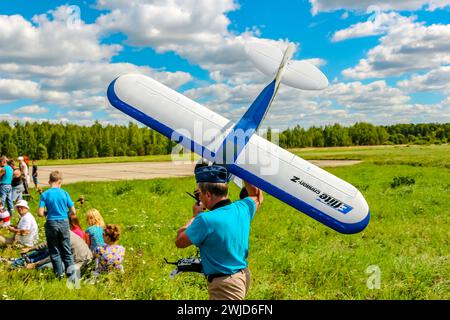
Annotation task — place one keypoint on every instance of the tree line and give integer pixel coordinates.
(69, 141)
(361, 134)
(45, 140)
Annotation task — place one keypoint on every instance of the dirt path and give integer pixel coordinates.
(140, 170)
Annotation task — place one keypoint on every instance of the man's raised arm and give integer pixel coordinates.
(255, 193)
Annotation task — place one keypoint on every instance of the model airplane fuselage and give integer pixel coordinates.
(306, 187)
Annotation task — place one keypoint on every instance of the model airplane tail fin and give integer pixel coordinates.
(241, 133)
(254, 116)
(288, 53)
(278, 79)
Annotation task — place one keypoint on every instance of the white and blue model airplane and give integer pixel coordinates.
(297, 182)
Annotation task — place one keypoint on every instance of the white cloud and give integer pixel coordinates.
(80, 85)
(92, 76)
(344, 103)
(381, 24)
(370, 97)
(317, 62)
(383, 5)
(195, 30)
(31, 109)
(228, 62)
(406, 47)
(119, 118)
(161, 24)
(417, 113)
(52, 41)
(12, 89)
(378, 103)
(438, 4)
(435, 80)
(79, 114)
(344, 15)
(61, 62)
(12, 118)
(446, 103)
(444, 110)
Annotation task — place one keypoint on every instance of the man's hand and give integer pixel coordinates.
(41, 212)
(20, 232)
(25, 250)
(255, 193)
(197, 208)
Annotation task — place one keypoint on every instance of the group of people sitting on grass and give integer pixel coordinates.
(67, 249)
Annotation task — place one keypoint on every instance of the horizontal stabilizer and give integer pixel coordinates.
(299, 74)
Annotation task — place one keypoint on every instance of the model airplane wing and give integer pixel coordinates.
(302, 185)
(297, 182)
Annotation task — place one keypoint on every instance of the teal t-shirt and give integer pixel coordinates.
(222, 236)
(95, 233)
(57, 202)
(7, 176)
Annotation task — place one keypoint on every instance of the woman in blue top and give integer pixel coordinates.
(6, 175)
(94, 233)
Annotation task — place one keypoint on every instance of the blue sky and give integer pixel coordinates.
(387, 61)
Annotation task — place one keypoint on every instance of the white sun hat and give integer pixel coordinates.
(22, 203)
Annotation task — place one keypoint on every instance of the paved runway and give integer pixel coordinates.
(139, 170)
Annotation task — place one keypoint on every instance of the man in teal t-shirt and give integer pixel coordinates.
(222, 233)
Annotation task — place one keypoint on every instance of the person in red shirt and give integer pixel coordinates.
(75, 226)
(5, 218)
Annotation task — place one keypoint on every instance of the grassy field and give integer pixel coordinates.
(414, 155)
(434, 155)
(291, 255)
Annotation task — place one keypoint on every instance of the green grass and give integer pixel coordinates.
(414, 155)
(291, 255)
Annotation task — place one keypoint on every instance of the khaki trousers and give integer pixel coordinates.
(232, 287)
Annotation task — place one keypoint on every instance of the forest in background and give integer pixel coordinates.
(46, 140)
